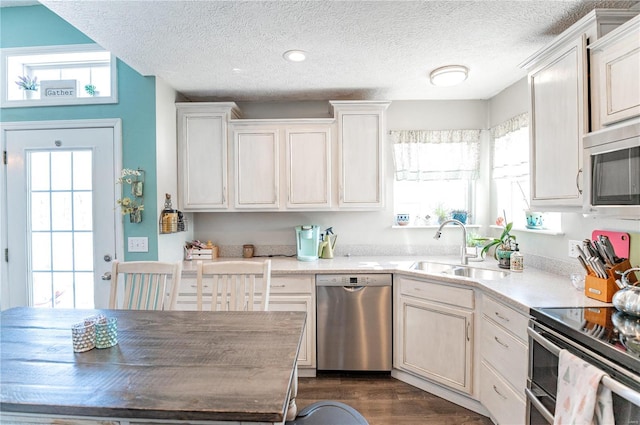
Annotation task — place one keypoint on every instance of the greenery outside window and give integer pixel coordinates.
(58, 75)
(435, 173)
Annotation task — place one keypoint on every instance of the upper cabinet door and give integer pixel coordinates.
(308, 167)
(615, 67)
(202, 157)
(257, 168)
(361, 134)
(558, 121)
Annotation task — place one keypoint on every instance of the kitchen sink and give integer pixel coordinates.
(458, 270)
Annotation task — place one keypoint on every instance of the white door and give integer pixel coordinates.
(61, 221)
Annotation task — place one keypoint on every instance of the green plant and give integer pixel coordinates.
(503, 242)
(90, 89)
(27, 83)
(441, 212)
(128, 205)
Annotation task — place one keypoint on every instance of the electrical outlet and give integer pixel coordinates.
(573, 252)
(138, 244)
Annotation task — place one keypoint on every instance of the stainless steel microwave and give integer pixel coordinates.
(612, 171)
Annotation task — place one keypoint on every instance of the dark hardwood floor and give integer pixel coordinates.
(383, 400)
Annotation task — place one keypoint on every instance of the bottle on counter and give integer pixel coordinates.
(516, 260)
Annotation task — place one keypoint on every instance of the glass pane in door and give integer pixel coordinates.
(61, 230)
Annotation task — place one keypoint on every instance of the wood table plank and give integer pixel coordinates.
(175, 365)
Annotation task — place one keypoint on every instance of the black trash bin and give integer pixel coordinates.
(328, 413)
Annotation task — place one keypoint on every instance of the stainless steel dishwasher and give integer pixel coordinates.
(354, 322)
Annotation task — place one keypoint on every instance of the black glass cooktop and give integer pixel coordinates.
(604, 330)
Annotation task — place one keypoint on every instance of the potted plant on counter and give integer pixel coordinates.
(503, 245)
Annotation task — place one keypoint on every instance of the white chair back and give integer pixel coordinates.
(144, 285)
(233, 285)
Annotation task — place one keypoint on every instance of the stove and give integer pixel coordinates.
(604, 330)
(601, 336)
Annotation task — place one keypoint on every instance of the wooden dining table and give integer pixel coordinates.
(168, 366)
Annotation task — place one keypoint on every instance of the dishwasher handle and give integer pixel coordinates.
(353, 288)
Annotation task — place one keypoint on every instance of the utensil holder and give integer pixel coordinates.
(603, 289)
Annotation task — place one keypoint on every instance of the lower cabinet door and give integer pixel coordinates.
(307, 354)
(435, 342)
(505, 405)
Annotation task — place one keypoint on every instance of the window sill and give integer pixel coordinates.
(543, 231)
(434, 226)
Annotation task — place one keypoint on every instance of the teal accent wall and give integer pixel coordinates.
(38, 26)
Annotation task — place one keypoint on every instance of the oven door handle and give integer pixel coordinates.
(554, 349)
(615, 386)
(537, 404)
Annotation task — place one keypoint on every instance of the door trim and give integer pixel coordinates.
(113, 123)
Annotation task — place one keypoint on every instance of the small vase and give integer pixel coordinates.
(504, 258)
(30, 94)
(135, 216)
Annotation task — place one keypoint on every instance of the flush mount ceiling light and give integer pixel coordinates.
(295, 55)
(449, 75)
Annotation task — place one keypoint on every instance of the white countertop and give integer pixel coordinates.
(531, 288)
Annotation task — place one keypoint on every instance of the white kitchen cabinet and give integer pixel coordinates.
(297, 293)
(256, 168)
(308, 167)
(203, 155)
(615, 67)
(559, 112)
(433, 332)
(504, 361)
(361, 130)
(276, 160)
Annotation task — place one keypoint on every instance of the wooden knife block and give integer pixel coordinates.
(603, 289)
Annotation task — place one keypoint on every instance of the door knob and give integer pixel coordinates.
(107, 258)
(106, 276)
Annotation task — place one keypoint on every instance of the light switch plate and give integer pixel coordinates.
(138, 244)
(573, 252)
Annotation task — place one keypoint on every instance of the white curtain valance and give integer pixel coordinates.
(436, 154)
(511, 148)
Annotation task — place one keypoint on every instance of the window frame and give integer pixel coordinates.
(7, 53)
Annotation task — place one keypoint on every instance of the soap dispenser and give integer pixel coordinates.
(516, 260)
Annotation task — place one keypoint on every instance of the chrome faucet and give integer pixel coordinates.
(463, 253)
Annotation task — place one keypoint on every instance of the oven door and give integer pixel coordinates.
(544, 348)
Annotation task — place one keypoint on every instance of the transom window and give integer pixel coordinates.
(58, 75)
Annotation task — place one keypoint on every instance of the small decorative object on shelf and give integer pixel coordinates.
(91, 90)
(460, 215)
(29, 85)
(168, 217)
(132, 205)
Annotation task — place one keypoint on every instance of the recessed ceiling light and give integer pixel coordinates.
(449, 75)
(295, 55)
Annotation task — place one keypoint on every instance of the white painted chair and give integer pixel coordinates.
(233, 285)
(144, 285)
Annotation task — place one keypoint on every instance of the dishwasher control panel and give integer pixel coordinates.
(354, 280)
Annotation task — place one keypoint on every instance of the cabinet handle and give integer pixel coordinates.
(498, 392)
(499, 316)
(468, 329)
(578, 181)
(500, 342)
(277, 286)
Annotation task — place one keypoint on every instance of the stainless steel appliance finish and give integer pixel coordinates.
(612, 171)
(592, 336)
(354, 322)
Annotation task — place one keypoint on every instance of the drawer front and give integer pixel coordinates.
(505, 353)
(459, 297)
(507, 317)
(292, 284)
(505, 406)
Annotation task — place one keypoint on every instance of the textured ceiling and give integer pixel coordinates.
(232, 50)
